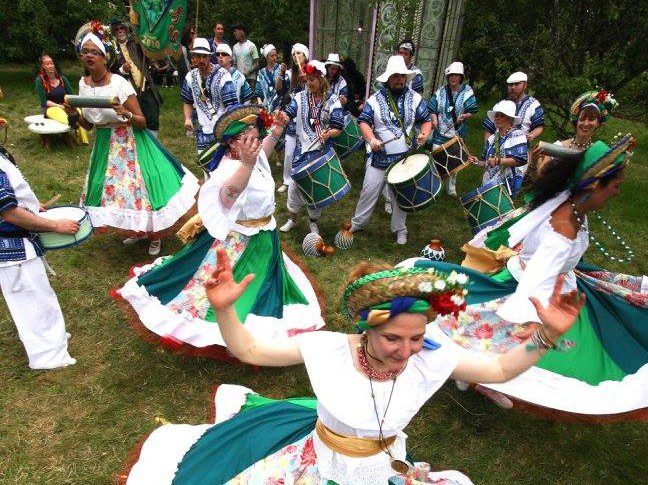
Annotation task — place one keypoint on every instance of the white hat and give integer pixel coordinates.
(201, 46)
(333, 60)
(455, 68)
(318, 65)
(267, 49)
(395, 65)
(300, 48)
(90, 37)
(506, 107)
(223, 48)
(517, 77)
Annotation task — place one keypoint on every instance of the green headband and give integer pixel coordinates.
(382, 312)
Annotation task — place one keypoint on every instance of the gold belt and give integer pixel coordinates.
(255, 222)
(351, 445)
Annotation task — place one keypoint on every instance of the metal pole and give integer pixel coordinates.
(311, 28)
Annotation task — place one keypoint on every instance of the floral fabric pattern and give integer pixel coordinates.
(123, 184)
(627, 287)
(192, 298)
(480, 329)
(295, 463)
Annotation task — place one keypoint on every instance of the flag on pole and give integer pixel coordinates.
(158, 25)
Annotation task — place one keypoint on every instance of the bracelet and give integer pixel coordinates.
(541, 341)
(128, 118)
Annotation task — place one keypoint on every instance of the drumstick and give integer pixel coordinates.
(53, 200)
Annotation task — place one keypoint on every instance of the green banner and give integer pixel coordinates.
(158, 25)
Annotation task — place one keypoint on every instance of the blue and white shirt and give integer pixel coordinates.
(243, 90)
(439, 104)
(265, 87)
(329, 113)
(16, 244)
(513, 144)
(218, 87)
(529, 110)
(378, 114)
(416, 83)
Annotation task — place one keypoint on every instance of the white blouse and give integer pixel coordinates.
(545, 255)
(255, 202)
(118, 87)
(344, 402)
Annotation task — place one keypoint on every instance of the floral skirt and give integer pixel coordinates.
(601, 367)
(254, 441)
(170, 300)
(134, 183)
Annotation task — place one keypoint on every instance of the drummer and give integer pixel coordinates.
(451, 105)
(506, 150)
(209, 90)
(334, 77)
(31, 300)
(406, 50)
(387, 123)
(318, 118)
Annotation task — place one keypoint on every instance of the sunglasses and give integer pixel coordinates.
(221, 54)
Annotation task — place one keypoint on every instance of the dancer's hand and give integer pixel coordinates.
(561, 312)
(222, 291)
(247, 147)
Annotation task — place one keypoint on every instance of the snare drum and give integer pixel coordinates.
(53, 240)
(486, 205)
(350, 140)
(451, 157)
(320, 178)
(414, 180)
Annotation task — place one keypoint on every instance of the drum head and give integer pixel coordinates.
(64, 212)
(408, 168)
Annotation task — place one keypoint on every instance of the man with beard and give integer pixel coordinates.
(528, 109)
(208, 89)
(135, 66)
(387, 123)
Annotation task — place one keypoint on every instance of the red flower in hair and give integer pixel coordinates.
(265, 118)
(442, 304)
(310, 69)
(601, 96)
(97, 27)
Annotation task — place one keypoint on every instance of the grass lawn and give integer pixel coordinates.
(78, 425)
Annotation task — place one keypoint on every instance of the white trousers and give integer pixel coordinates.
(295, 202)
(372, 187)
(289, 152)
(36, 313)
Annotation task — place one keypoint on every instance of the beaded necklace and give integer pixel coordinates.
(582, 146)
(630, 253)
(370, 371)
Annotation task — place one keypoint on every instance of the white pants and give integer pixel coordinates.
(372, 186)
(295, 202)
(36, 312)
(289, 151)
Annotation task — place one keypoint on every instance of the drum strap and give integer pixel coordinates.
(451, 101)
(315, 114)
(394, 108)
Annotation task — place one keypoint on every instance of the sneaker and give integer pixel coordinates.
(132, 240)
(154, 247)
(388, 207)
(287, 226)
(282, 188)
(401, 238)
(313, 227)
(497, 397)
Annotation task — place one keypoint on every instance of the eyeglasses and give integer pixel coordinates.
(221, 54)
(91, 52)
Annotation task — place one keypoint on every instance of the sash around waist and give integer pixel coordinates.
(255, 222)
(352, 446)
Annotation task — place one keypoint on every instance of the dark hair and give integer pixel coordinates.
(556, 176)
(410, 41)
(41, 72)
(218, 22)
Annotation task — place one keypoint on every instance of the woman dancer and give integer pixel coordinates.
(601, 368)
(133, 183)
(368, 386)
(236, 206)
(51, 88)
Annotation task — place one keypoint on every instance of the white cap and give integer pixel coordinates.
(201, 46)
(300, 48)
(455, 68)
(267, 49)
(333, 60)
(506, 107)
(318, 65)
(517, 77)
(395, 65)
(223, 48)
